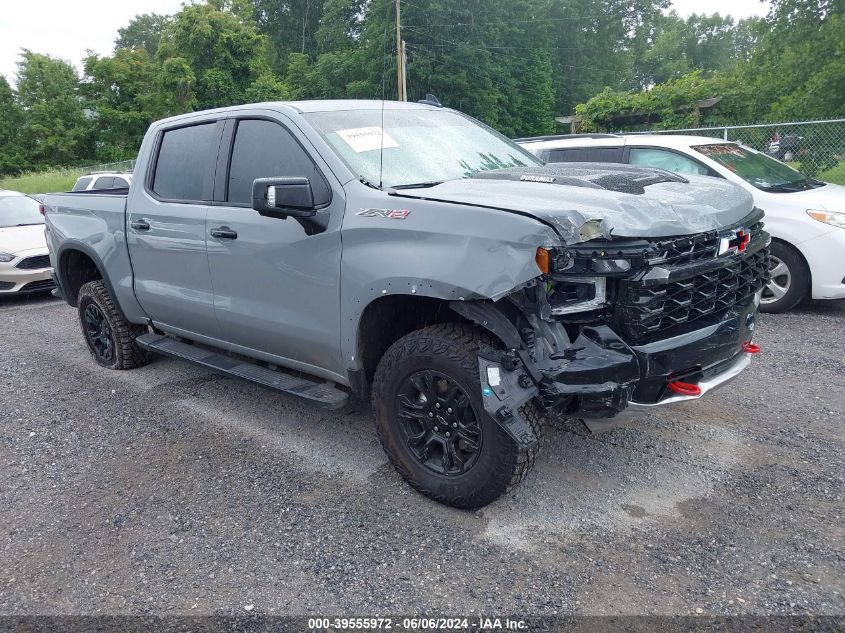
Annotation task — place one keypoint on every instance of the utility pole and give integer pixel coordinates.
(404, 72)
(400, 58)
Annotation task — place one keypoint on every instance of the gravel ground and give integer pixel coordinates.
(172, 490)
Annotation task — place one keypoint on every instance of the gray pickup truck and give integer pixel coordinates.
(408, 254)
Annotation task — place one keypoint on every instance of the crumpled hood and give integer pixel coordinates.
(611, 200)
(17, 239)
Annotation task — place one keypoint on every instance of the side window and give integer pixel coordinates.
(81, 184)
(586, 155)
(104, 182)
(120, 182)
(605, 155)
(183, 165)
(670, 161)
(566, 155)
(263, 149)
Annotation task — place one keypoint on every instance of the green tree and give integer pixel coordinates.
(291, 26)
(120, 92)
(13, 158)
(55, 131)
(142, 33)
(212, 56)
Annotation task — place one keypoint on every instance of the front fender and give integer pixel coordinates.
(438, 250)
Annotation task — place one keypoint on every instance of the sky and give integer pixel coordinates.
(66, 28)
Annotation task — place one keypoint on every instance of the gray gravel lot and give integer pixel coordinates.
(170, 489)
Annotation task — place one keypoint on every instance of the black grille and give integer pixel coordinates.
(7, 285)
(35, 263)
(35, 286)
(651, 312)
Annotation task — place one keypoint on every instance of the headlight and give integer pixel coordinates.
(828, 217)
(5, 257)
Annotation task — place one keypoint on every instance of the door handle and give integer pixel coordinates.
(224, 233)
(140, 225)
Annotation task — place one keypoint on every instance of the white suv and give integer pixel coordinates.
(805, 217)
(104, 180)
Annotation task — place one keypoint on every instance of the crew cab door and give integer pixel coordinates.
(166, 231)
(276, 288)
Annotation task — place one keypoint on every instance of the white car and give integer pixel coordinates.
(104, 180)
(805, 217)
(24, 260)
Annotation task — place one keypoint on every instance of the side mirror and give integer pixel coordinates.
(283, 197)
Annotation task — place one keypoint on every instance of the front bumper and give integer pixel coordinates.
(15, 280)
(607, 381)
(827, 265)
(718, 377)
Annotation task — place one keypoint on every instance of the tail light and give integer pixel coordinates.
(42, 210)
(750, 348)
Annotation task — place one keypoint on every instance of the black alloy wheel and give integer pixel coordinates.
(438, 423)
(99, 333)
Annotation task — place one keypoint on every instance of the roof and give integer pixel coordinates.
(610, 140)
(8, 192)
(307, 106)
(337, 105)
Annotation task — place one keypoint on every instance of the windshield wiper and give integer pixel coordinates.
(419, 185)
(789, 186)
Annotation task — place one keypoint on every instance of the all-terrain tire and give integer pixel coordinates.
(451, 349)
(118, 334)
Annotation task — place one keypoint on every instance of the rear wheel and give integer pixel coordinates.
(431, 420)
(110, 338)
(790, 279)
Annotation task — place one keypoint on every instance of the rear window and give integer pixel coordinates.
(586, 155)
(81, 184)
(104, 182)
(182, 168)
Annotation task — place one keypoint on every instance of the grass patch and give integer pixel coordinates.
(42, 181)
(835, 175)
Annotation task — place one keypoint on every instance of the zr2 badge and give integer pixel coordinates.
(390, 214)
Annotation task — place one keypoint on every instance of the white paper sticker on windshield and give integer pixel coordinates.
(366, 139)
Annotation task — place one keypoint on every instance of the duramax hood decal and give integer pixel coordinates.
(616, 200)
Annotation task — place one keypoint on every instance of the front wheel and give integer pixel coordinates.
(790, 279)
(431, 420)
(110, 337)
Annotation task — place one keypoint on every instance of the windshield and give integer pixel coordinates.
(420, 146)
(19, 211)
(757, 169)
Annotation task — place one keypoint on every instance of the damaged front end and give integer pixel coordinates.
(615, 328)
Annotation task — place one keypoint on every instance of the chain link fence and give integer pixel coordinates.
(816, 148)
(120, 166)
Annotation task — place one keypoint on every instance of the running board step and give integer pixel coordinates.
(322, 393)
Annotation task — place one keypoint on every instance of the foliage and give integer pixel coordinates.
(790, 66)
(142, 33)
(13, 157)
(514, 64)
(55, 130)
(215, 57)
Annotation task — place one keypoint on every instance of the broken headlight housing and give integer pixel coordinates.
(576, 294)
(580, 278)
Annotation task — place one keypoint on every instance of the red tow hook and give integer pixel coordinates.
(684, 388)
(750, 348)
